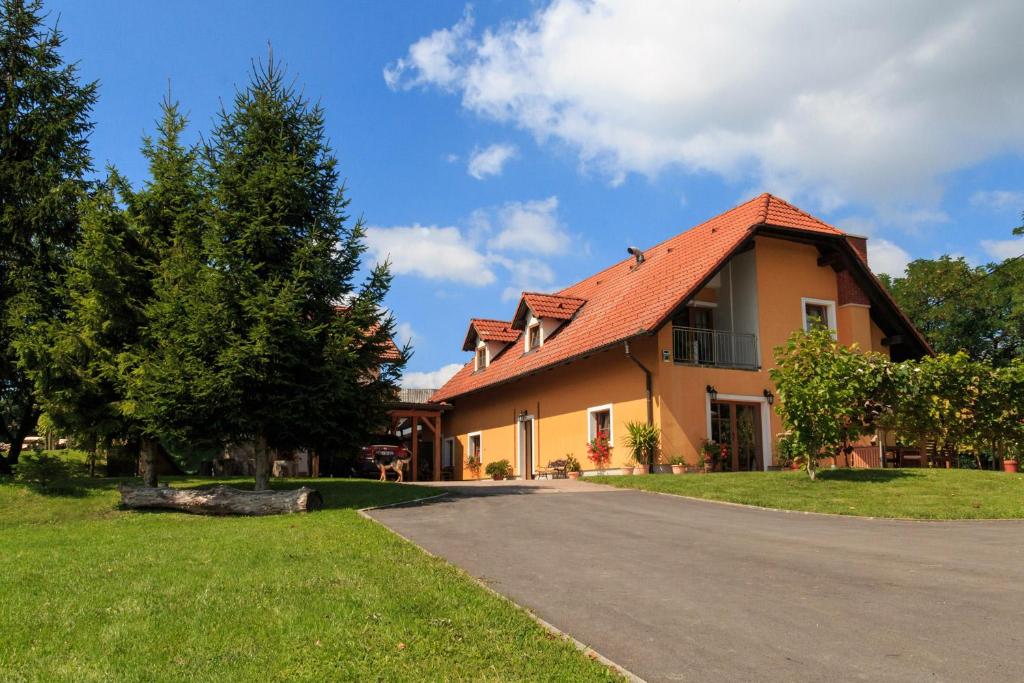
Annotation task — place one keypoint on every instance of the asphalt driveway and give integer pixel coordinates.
(681, 590)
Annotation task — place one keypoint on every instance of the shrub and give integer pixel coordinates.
(40, 469)
(572, 464)
(677, 460)
(499, 469)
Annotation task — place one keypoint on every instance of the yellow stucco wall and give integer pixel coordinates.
(559, 398)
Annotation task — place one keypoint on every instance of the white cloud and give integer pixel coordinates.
(430, 380)
(431, 58)
(531, 227)
(1000, 250)
(490, 161)
(526, 275)
(404, 334)
(512, 240)
(841, 100)
(998, 199)
(431, 252)
(886, 257)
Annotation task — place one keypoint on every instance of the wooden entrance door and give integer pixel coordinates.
(737, 427)
(526, 446)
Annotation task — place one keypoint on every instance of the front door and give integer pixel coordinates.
(736, 427)
(526, 447)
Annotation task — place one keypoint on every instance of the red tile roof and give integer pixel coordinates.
(546, 306)
(622, 302)
(488, 330)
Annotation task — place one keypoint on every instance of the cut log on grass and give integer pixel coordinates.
(222, 500)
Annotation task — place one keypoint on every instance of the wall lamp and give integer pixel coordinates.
(769, 396)
(712, 392)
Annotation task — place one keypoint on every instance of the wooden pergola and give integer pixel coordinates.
(421, 420)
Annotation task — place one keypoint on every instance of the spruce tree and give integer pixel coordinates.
(306, 356)
(88, 374)
(173, 386)
(44, 126)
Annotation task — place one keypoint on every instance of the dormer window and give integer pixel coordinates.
(533, 337)
(481, 358)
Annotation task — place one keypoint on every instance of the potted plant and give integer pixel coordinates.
(1009, 463)
(473, 465)
(711, 453)
(628, 468)
(572, 467)
(499, 469)
(642, 442)
(678, 464)
(599, 451)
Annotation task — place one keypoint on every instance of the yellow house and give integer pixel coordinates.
(680, 335)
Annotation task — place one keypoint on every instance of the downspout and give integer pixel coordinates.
(650, 398)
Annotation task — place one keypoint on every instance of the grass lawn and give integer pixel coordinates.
(89, 592)
(908, 493)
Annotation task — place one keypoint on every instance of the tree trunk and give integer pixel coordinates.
(26, 423)
(148, 461)
(222, 500)
(261, 456)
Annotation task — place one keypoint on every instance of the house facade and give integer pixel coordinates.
(680, 335)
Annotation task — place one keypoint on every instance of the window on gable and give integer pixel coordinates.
(818, 313)
(481, 358)
(534, 337)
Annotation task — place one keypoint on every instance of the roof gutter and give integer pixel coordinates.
(650, 397)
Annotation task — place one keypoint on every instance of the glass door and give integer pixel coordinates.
(736, 427)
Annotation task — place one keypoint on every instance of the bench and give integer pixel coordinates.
(554, 470)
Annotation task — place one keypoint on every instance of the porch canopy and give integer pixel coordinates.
(418, 423)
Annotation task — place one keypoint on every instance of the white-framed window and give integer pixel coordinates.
(599, 419)
(533, 338)
(475, 446)
(818, 310)
(481, 357)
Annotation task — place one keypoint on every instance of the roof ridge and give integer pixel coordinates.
(490, 320)
(629, 259)
(767, 197)
(800, 211)
(560, 296)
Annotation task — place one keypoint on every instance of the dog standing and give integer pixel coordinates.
(391, 458)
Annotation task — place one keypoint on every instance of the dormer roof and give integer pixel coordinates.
(488, 330)
(554, 306)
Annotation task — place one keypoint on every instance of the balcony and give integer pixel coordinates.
(696, 346)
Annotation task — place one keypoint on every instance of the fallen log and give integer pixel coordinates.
(222, 500)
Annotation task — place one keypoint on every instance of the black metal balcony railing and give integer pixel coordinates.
(710, 347)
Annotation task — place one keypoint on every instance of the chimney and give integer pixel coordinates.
(859, 244)
(637, 254)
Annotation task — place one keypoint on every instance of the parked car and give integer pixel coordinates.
(387, 446)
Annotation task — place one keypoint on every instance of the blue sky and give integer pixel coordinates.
(523, 145)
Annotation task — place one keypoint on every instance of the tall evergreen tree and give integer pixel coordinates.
(86, 375)
(172, 376)
(44, 126)
(306, 358)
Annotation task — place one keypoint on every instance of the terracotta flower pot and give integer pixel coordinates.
(678, 469)
(497, 477)
(574, 475)
(1009, 465)
(794, 465)
(640, 469)
(626, 471)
